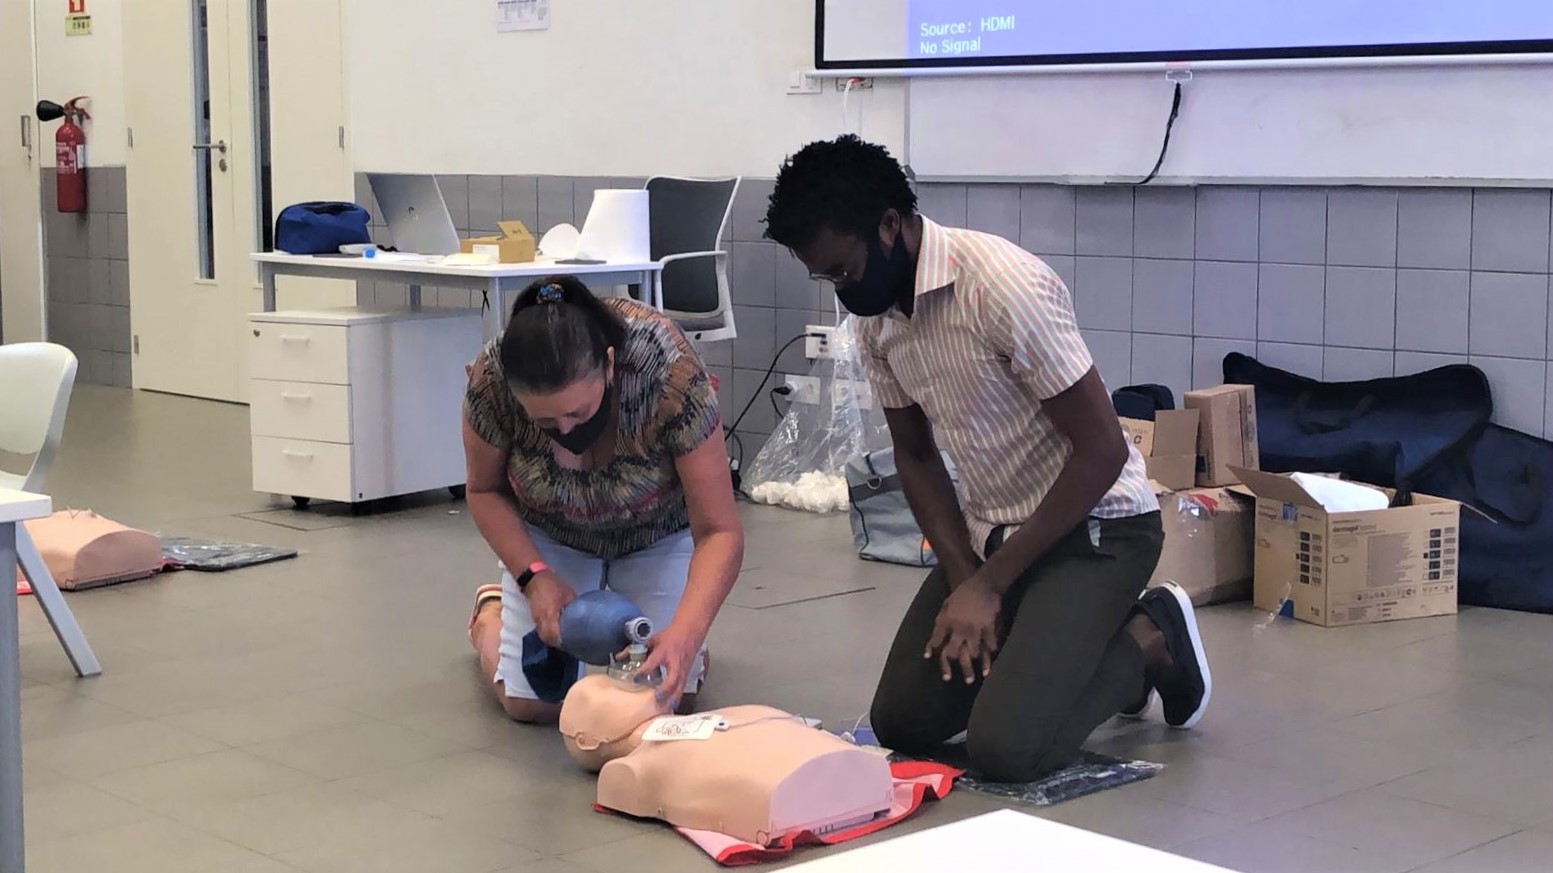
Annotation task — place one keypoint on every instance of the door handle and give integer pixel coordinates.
(27, 132)
(219, 146)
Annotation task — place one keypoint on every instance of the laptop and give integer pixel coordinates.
(416, 215)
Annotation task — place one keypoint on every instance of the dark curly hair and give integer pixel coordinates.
(844, 184)
(559, 333)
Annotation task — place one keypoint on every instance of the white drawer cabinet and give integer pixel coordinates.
(360, 403)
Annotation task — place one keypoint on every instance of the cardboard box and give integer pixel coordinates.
(1208, 539)
(1336, 569)
(515, 245)
(1168, 445)
(1227, 433)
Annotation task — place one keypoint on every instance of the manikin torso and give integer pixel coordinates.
(768, 774)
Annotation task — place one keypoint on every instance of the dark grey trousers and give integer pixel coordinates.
(1065, 666)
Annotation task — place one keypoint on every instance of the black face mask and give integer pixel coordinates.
(583, 436)
(884, 280)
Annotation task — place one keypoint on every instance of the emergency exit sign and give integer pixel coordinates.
(77, 22)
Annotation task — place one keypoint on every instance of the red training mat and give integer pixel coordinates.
(916, 783)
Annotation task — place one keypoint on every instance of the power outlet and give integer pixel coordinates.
(817, 345)
(804, 389)
(799, 82)
(856, 83)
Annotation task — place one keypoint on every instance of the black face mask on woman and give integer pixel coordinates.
(583, 436)
(883, 281)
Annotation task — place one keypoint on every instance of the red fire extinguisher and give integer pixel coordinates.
(70, 158)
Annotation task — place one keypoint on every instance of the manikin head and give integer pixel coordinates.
(602, 719)
(558, 353)
(845, 208)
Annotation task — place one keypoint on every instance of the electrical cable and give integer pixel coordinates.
(1170, 123)
(782, 391)
(755, 395)
(731, 432)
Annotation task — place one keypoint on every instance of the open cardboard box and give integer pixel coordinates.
(515, 245)
(1228, 436)
(1343, 568)
(1168, 445)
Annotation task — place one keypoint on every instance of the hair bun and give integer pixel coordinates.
(551, 293)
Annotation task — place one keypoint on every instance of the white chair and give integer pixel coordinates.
(35, 384)
(688, 218)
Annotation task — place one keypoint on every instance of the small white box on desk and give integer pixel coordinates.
(359, 403)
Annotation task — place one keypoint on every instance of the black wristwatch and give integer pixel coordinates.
(528, 574)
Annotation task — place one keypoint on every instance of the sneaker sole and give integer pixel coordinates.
(1185, 602)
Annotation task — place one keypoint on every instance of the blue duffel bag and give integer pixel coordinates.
(320, 228)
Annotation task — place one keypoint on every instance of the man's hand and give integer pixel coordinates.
(966, 631)
(674, 650)
(547, 596)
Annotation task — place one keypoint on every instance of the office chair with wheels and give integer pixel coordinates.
(35, 384)
(688, 218)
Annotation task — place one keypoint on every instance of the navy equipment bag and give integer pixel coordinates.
(1427, 433)
(320, 228)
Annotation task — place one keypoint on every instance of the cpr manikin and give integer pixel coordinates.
(761, 775)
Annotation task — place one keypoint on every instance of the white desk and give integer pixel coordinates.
(1005, 842)
(495, 280)
(15, 507)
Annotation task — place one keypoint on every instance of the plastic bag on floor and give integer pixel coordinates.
(801, 465)
(214, 556)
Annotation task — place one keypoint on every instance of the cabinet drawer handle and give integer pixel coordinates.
(301, 456)
(301, 398)
(298, 340)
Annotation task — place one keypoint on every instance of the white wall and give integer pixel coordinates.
(614, 88)
(69, 66)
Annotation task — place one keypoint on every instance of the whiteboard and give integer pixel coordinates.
(1464, 124)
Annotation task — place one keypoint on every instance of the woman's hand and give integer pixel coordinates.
(675, 650)
(547, 596)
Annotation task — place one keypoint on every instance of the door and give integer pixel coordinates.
(192, 177)
(21, 230)
(307, 158)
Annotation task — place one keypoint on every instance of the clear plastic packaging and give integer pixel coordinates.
(801, 465)
(214, 556)
(1091, 773)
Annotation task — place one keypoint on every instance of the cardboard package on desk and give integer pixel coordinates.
(515, 245)
(1208, 543)
(1344, 568)
(1227, 430)
(1168, 445)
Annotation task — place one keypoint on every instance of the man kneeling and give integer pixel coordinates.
(1031, 632)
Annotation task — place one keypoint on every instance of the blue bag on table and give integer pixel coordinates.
(320, 227)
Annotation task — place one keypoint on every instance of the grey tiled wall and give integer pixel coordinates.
(87, 279)
(1340, 283)
(1337, 284)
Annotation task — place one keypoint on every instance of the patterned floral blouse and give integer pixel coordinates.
(667, 409)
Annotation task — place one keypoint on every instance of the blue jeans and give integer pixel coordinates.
(654, 578)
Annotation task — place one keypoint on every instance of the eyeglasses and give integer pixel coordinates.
(828, 278)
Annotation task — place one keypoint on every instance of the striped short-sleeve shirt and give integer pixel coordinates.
(992, 335)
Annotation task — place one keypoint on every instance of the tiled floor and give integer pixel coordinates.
(324, 714)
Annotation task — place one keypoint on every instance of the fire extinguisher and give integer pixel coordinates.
(69, 152)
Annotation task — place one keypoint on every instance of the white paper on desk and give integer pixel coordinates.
(405, 258)
(522, 15)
